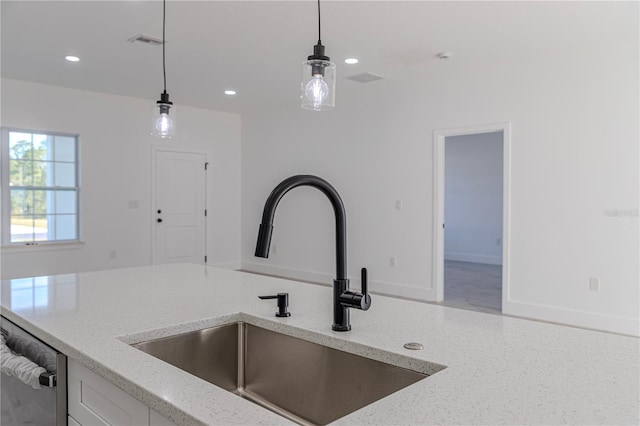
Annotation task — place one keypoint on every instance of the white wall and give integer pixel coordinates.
(473, 198)
(574, 157)
(115, 162)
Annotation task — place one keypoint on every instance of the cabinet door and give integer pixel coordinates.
(157, 419)
(94, 401)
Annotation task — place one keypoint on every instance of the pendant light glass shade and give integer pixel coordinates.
(164, 114)
(164, 118)
(318, 87)
(318, 84)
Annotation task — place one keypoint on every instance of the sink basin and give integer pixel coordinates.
(303, 381)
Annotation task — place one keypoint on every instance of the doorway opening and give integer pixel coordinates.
(471, 244)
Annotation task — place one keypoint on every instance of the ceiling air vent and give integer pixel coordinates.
(366, 77)
(143, 38)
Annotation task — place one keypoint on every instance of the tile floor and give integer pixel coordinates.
(473, 286)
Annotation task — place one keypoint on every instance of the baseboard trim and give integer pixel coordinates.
(226, 265)
(403, 290)
(583, 319)
(546, 313)
(375, 286)
(473, 258)
(288, 273)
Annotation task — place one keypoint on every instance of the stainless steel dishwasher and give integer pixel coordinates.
(23, 404)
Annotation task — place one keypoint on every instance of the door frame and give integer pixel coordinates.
(152, 215)
(439, 136)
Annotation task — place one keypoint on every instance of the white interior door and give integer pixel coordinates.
(179, 207)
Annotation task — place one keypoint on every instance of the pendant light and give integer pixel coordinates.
(318, 87)
(164, 117)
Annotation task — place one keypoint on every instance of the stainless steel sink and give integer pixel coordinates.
(300, 380)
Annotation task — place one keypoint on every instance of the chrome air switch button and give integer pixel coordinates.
(414, 346)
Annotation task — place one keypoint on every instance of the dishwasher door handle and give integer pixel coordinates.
(45, 379)
(48, 380)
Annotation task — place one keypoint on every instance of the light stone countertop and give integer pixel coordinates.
(499, 370)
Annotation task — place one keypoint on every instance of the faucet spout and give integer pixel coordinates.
(269, 212)
(264, 240)
(343, 298)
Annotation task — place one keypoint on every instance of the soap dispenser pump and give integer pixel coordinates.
(283, 303)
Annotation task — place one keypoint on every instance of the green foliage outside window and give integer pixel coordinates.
(27, 168)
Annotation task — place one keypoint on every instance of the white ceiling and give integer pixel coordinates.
(257, 47)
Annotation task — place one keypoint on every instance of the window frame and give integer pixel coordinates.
(5, 189)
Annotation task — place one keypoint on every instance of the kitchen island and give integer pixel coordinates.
(499, 370)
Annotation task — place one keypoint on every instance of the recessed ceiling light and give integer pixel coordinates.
(230, 92)
(351, 61)
(72, 58)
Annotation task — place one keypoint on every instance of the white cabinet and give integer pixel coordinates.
(94, 401)
(157, 419)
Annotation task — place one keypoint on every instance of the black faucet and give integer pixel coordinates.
(343, 299)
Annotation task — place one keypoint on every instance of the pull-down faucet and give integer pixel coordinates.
(343, 299)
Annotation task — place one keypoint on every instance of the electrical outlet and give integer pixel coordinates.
(398, 204)
(498, 241)
(274, 249)
(594, 284)
(392, 261)
(113, 254)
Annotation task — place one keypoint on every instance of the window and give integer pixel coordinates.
(40, 187)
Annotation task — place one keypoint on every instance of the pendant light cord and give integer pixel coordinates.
(164, 66)
(319, 38)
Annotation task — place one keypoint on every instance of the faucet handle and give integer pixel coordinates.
(363, 281)
(360, 301)
(365, 302)
(283, 302)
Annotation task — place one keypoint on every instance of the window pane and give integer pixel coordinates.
(21, 228)
(42, 185)
(66, 228)
(20, 146)
(42, 173)
(42, 147)
(21, 201)
(65, 174)
(66, 202)
(50, 202)
(43, 202)
(20, 173)
(46, 228)
(65, 149)
(41, 227)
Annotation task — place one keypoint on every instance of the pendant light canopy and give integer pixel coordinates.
(318, 86)
(164, 114)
